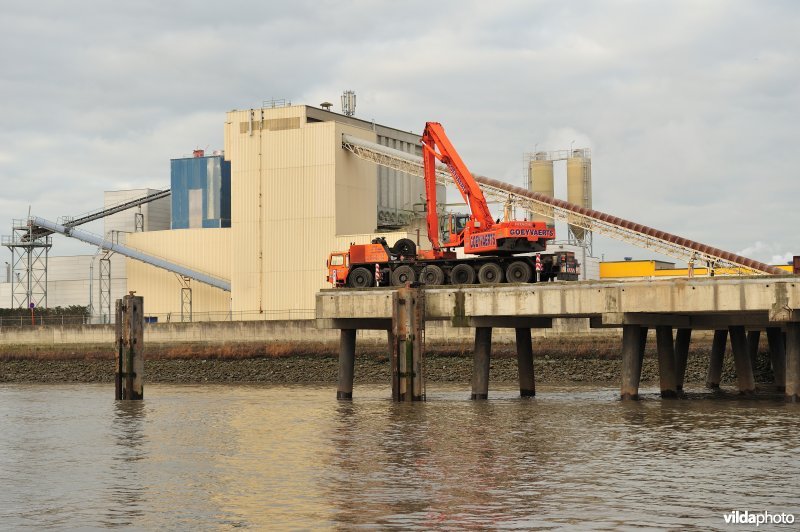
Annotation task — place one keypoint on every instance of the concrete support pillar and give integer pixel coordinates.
(408, 331)
(793, 362)
(753, 339)
(666, 362)
(347, 363)
(682, 339)
(777, 355)
(130, 348)
(527, 380)
(741, 357)
(632, 351)
(717, 358)
(480, 370)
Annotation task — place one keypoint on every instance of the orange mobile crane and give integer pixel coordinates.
(497, 245)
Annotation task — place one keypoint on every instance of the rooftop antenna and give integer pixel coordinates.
(349, 103)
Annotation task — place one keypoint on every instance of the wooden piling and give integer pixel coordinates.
(717, 358)
(129, 327)
(632, 351)
(741, 357)
(792, 393)
(408, 332)
(527, 379)
(482, 356)
(347, 363)
(682, 339)
(120, 343)
(777, 356)
(666, 362)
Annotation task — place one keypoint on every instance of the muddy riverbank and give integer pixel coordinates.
(556, 362)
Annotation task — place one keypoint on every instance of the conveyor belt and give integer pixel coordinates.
(595, 221)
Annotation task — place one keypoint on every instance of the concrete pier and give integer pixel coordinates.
(777, 356)
(682, 339)
(129, 378)
(726, 305)
(666, 362)
(527, 379)
(793, 362)
(753, 339)
(347, 362)
(741, 357)
(480, 369)
(717, 358)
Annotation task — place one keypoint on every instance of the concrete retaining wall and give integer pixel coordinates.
(224, 332)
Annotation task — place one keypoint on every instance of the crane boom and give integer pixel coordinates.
(589, 219)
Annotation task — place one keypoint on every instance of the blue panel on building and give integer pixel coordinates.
(201, 192)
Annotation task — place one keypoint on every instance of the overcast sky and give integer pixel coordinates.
(691, 109)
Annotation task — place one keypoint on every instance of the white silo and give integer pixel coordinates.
(540, 179)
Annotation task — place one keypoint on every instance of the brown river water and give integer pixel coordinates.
(292, 457)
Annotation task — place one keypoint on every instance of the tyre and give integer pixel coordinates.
(360, 278)
(402, 275)
(405, 247)
(432, 275)
(462, 274)
(490, 273)
(518, 272)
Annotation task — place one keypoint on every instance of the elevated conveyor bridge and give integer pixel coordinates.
(595, 221)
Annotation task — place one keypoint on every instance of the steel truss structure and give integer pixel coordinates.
(29, 255)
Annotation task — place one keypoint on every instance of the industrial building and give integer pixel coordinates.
(265, 213)
(295, 196)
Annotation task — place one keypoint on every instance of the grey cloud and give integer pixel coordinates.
(690, 107)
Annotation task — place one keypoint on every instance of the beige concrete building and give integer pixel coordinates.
(295, 197)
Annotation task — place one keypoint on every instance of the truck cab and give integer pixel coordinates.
(338, 265)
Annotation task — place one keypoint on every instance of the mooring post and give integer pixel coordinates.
(793, 362)
(717, 358)
(753, 339)
(527, 379)
(632, 350)
(682, 339)
(741, 358)
(666, 362)
(130, 347)
(777, 356)
(347, 363)
(408, 330)
(480, 368)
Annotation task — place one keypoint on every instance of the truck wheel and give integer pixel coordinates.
(402, 275)
(360, 278)
(432, 274)
(518, 272)
(462, 274)
(490, 273)
(405, 247)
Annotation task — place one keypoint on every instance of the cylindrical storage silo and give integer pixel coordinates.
(540, 179)
(579, 184)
